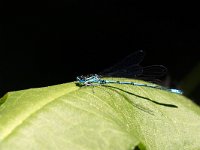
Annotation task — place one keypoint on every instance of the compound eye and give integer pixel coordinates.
(83, 78)
(80, 78)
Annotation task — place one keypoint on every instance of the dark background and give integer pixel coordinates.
(52, 42)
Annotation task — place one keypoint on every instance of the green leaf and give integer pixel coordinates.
(112, 117)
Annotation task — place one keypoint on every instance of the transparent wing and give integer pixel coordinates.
(129, 72)
(154, 71)
(131, 62)
(129, 68)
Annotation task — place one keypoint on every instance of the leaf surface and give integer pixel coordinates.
(122, 117)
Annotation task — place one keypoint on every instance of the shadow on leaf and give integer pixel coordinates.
(145, 98)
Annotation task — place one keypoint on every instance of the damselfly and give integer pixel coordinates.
(129, 67)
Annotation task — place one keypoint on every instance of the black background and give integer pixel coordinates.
(52, 42)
